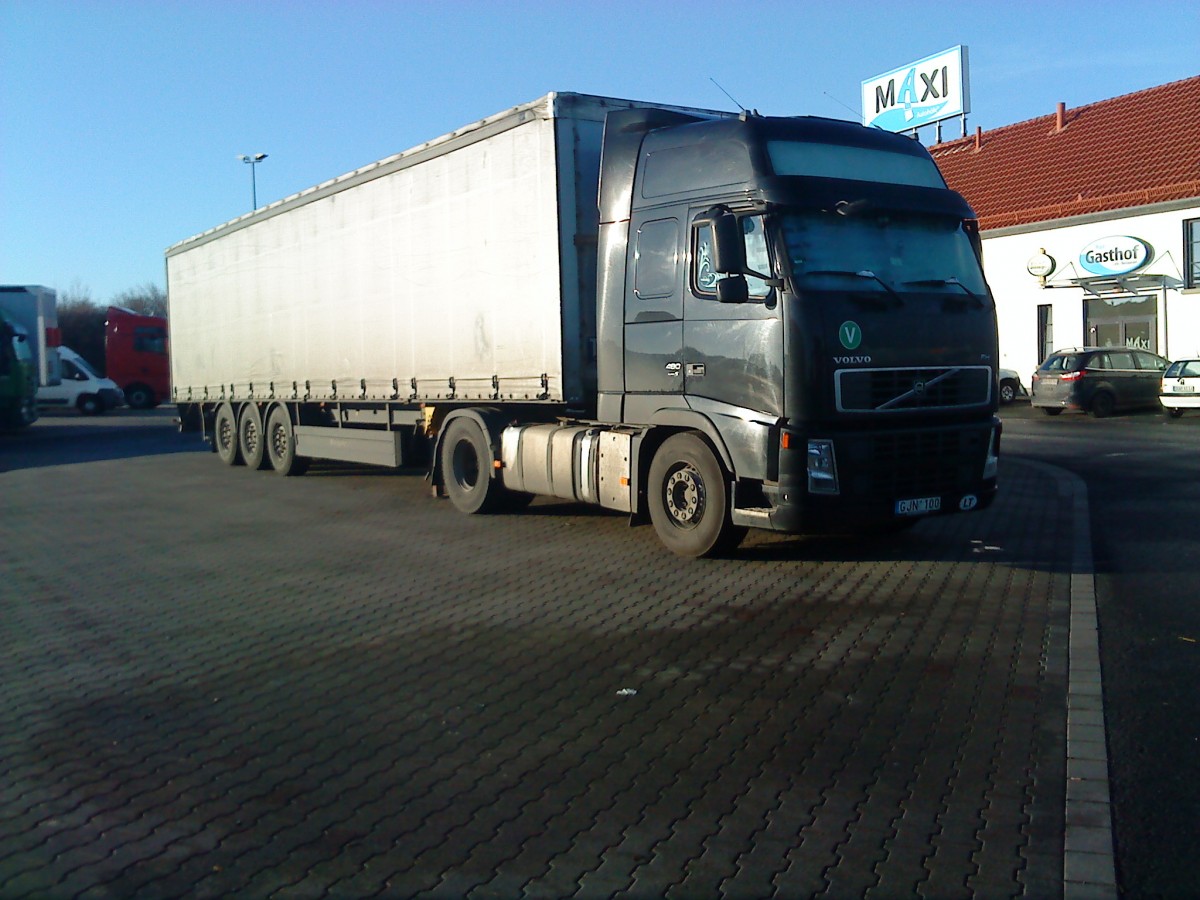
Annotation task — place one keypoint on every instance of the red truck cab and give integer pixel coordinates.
(135, 350)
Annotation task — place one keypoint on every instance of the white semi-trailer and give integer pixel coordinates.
(713, 321)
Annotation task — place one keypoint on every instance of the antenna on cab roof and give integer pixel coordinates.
(726, 93)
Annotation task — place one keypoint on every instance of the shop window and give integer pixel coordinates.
(1191, 253)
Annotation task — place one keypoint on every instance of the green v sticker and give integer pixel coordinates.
(850, 335)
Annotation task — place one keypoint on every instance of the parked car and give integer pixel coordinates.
(1099, 380)
(1010, 385)
(81, 387)
(1180, 387)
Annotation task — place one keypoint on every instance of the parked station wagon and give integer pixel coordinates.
(1099, 380)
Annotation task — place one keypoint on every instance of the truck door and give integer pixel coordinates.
(654, 306)
(734, 350)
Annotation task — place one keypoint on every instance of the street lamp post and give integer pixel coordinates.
(253, 160)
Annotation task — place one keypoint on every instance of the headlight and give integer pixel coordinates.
(822, 468)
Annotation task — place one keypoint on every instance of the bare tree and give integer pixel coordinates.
(147, 299)
(81, 322)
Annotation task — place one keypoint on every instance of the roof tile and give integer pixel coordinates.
(1133, 150)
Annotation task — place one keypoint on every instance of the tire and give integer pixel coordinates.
(225, 436)
(138, 396)
(1052, 410)
(250, 438)
(89, 405)
(280, 444)
(466, 465)
(1008, 391)
(1103, 404)
(689, 499)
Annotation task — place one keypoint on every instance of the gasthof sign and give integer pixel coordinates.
(1115, 255)
(921, 93)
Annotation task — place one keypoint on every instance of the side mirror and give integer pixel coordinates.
(733, 289)
(729, 244)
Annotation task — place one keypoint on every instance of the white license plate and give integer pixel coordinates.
(1182, 389)
(919, 506)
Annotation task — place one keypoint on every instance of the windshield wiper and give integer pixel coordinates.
(861, 273)
(950, 281)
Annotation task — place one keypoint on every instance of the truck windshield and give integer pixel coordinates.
(906, 252)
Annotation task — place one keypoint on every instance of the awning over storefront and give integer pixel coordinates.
(1119, 285)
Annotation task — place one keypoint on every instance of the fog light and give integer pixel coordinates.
(992, 463)
(822, 468)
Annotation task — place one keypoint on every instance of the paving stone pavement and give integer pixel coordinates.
(223, 683)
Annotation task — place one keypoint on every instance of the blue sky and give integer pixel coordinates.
(121, 122)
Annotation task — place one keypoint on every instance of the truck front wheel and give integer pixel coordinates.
(689, 499)
(466, 463)
(139, 396)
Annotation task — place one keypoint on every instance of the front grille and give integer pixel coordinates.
(905, 390)
(915, 463)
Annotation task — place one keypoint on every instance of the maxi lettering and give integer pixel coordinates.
(936, 84)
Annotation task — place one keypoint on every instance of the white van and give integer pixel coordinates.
(81, 387)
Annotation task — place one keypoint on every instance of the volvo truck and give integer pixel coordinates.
(708, 321)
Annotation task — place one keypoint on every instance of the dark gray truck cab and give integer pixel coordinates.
(806, 295)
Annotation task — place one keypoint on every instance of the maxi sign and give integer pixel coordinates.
(929, 90)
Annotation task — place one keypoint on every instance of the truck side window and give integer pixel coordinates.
(70, 372)
(150, 340)
(657, 259)
(704, 279)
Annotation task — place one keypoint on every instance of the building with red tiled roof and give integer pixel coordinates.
(1103, 203)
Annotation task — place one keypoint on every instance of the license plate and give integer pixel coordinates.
(919, 506)
(1182, 389)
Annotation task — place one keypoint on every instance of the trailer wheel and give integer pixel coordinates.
(689, 499)
(250, 438)
(466, 464)
(281, 444)
(225, 436)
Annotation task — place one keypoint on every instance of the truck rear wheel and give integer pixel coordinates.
(466, 464)
(281, 444)
(689, 499)
(225, 436)
(250, 437)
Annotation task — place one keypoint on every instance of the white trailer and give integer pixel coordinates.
(460, 269)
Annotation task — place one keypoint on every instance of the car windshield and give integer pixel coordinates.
(83, 365)
(1066, 363)
(1184, 368)
(882, 251)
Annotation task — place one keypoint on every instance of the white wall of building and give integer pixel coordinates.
(1006, 254)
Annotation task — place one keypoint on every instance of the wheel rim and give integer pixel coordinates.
(225, 435)
(465, 465)
(251, 438)
(279, 441)
(685, 496)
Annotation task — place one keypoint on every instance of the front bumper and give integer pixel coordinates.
(888, 477)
